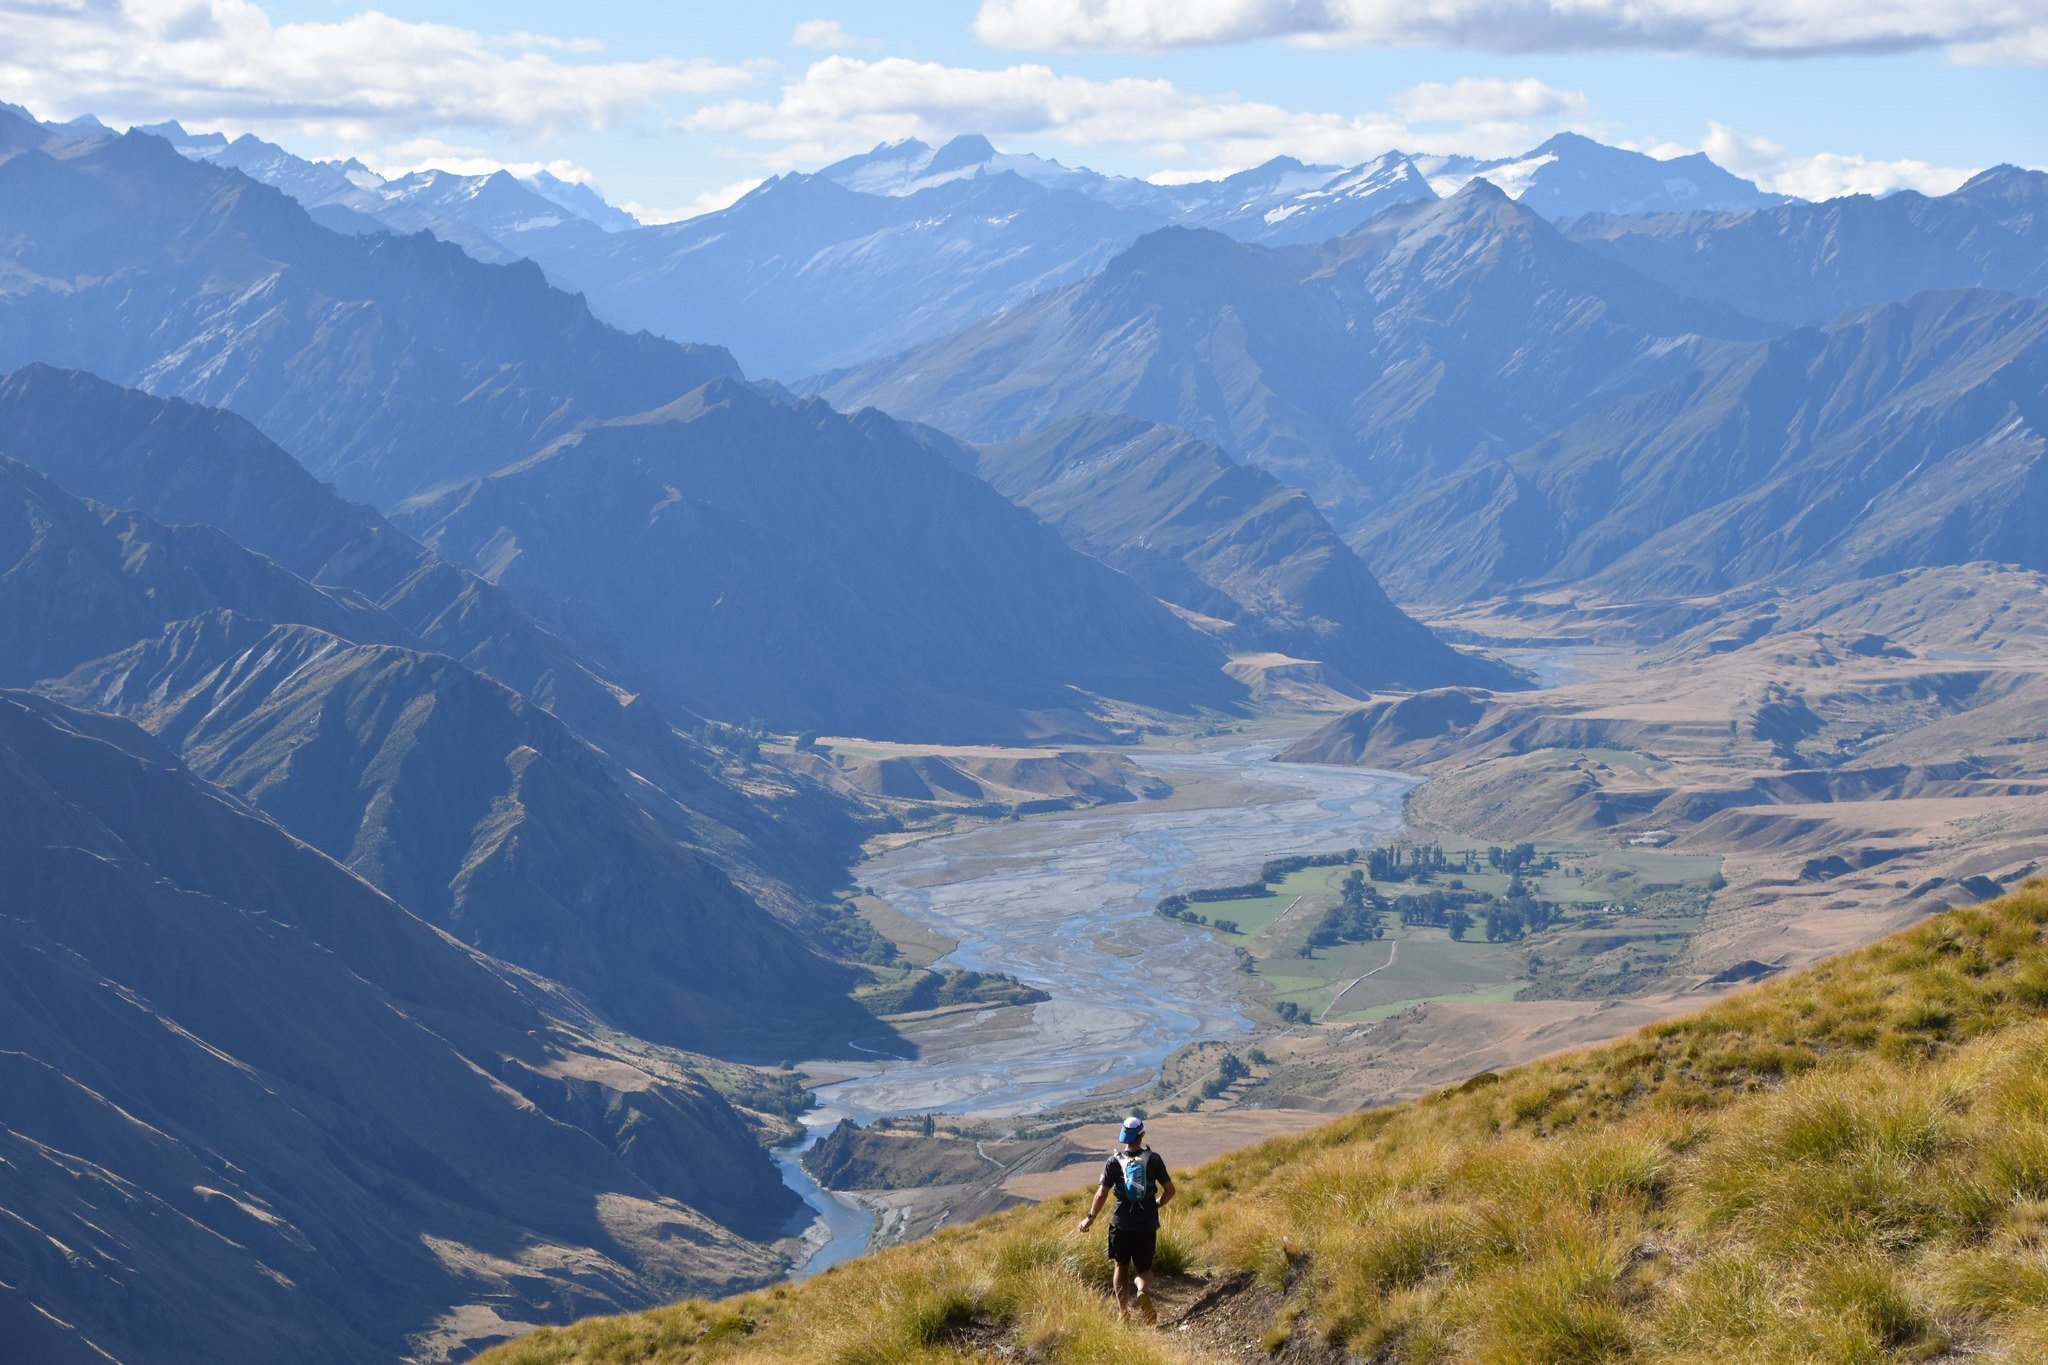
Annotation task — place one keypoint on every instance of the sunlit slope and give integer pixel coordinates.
(1846, 1164)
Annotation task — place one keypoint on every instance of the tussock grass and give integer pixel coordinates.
(1848, 1164)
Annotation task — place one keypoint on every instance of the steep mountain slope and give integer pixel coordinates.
(1436, 333)
(253, 1110)
(181, 463)
(1904, 435)
(480, 813)
(1185, 328)
(753, 558)
(80, 580)
(454, 795)
(389, 364)
(1223, 539)
(1841, 1164)
(1807, 263)
(189, 465)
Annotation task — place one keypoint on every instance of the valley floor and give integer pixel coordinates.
(1775, 784)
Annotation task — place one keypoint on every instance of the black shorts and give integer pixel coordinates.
(1133, 1245)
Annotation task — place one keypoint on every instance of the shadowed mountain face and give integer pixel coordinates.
(1909, 434)
(80, 580)
(464, 801)
(1807, 263)
(479, 812)
(1222, 539)
(256, 1111)
(818, 571)
(184, 464)
(389, 364)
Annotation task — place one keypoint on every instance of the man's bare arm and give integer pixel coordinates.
(1166, 1191)
(1101, 1194)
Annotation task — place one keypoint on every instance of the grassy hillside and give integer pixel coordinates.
(1847, 1164)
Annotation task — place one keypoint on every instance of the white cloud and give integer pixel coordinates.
(846, 104)
(1983, 30)
(1489, 99)
(522, 38)
(1060, 24)
(828, 35)
(357, 79)
(1826, 175)
(432, 154)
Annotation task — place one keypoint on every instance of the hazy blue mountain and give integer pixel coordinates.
(1807, 263)
(1437, 333)
(250, 1109)
(1284, 201)
(495, 217)
(1223, 539)
(1905, 434)
(580, 199)
(78, 580)
(908, 242)
(479, 812)
(389, 364)
(804, 273)
(181, 463)
(1572, 174)
(447, 790)
(751, 557)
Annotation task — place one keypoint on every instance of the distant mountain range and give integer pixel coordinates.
(1484, 401)
(1808, 263)
(881, 251)
(1347, 368)
(389, 364)
(405, 370)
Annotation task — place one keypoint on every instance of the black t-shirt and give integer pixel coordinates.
(1134, 1213)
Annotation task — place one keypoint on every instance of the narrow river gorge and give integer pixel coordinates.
(1065, 902)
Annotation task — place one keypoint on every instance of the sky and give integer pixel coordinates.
(677, 108)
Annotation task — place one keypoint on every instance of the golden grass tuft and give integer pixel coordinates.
(1847, 1164)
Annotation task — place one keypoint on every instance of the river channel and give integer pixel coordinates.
(1065, 902)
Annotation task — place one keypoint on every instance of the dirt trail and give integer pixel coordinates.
(1210, 1317)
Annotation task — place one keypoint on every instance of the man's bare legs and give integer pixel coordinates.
(1120, 1279)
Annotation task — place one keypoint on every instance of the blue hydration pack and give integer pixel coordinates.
(1137, 1184)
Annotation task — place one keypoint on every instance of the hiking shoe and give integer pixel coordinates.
(1145, 1307)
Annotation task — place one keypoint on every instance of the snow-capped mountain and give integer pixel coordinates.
(1570, 175)
(495, 217)
(1283, 200)
(907, 242)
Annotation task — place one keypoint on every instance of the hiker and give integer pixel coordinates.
(1137, 1175)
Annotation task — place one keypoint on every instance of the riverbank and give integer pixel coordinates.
(1065, 902)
